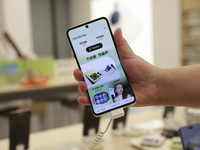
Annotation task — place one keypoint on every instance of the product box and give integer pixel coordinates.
(10, 72)
(63, 69)
(38, 71)
(27, 72)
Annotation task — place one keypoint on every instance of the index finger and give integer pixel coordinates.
(78, 75)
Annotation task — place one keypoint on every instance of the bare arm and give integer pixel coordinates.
(179, 86)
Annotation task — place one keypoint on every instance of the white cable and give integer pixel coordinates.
(114, 114)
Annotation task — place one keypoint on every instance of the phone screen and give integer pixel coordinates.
(96, 55)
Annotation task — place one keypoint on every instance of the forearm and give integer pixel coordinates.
(179, 86)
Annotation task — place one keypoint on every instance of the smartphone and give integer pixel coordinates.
(96, 55)
(190, 136)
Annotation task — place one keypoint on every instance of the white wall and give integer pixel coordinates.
(79, 11)
(142, 45)
(158, 37)
(135, 20)
(17, 23)
(1, 20)
(167, 33)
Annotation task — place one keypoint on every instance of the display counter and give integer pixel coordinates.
(110, 141)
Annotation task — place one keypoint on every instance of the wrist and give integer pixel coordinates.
(163, 85)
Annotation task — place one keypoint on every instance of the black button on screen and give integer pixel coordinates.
(94, 47)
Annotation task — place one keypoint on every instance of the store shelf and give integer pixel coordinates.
(192, 41)
(46, 91)
(190, 32)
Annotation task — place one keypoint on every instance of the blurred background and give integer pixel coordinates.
(33, 44)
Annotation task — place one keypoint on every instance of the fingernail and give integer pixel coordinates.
(120, 32)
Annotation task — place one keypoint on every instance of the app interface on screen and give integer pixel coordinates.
(108, 87)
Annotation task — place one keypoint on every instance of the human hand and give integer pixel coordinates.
(141, 74)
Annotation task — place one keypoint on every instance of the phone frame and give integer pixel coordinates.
(110, 31)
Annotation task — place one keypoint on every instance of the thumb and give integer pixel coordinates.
(123, 48)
